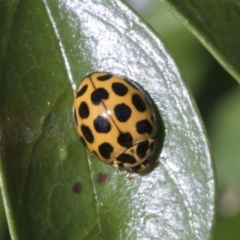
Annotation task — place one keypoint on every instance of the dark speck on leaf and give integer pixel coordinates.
(102, 178)
(77, 187)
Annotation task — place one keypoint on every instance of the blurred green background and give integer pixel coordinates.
(217, 95)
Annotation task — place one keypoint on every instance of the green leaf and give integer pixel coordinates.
(52, 188)
(216, 24)
(225, 134)
(3, 223)
(227, 228)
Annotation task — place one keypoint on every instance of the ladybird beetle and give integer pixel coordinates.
(116, 121)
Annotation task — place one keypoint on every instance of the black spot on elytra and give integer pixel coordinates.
(87, 133)
(138, 103)
(75, 117)
(122, 112)
(142, 149)
(125, 139)
(105, 149)
(82, 90)
(98, 95)
(105, 77)
(101, 124)
(144, 126)
(77, 187)
(119, 89)
(83, 110)
(139, 167)
(120, 165)
(126, 158)
(132, 151)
